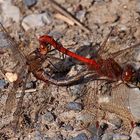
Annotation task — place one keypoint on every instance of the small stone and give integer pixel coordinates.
(58, 137)
(81, 15)
(30, 85)
(48, 117)
(34, 20)
(2, 83)
(11, 76)
(135, 135)
(81, 136)
(74, 106)
(30, 3)
(47, 18)
(10, 11)
(107, 136)
(138, 6)
(37, 135)
(92, 128)
(121, 137)
(134, 102)
(3, 99)
(68, 127)
(76, 90)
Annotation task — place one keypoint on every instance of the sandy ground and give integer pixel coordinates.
(51, 112)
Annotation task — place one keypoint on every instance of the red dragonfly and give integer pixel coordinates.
(110, 70)
(103, 67)
(24, 65)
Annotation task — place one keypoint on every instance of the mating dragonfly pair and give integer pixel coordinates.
(101, 67)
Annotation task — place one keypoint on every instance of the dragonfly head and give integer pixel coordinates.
(43, 50)
(45, 43)
(131, 76)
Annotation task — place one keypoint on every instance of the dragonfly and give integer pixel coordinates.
(109, 72)
(23, 65)
(103, 67)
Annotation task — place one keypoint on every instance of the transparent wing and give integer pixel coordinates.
(120, 45)
(91, 113)
(117, 101)
(9, 46)
(6, 42)
(127, 54)
(103, 97)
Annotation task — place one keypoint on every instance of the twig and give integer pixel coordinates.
(27, 90)
(64, 18)
(60, 9)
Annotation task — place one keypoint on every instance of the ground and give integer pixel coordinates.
(51, 112)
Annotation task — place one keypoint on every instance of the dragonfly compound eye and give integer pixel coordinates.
(128, 74)
(43, 50)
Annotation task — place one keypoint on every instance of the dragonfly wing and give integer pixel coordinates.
(106, 97)
(103, 47)
(16, 62)
(11, 99)
(128, 54)
(118, 103)
(9, 45)
(91, 97)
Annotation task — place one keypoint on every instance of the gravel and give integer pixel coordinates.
(50, 112)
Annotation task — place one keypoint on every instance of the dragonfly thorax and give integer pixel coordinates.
(110, 68)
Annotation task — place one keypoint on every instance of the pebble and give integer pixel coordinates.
(29, 3)
(134, 102)
(81, 15)
(68, 127)
(107, 136)
(74, 106)
(138, 6)
(30, 85)
(11, 76)
(48, 117)
(47, 18)
(135, 135)
(36, 136)
(111, 136)
(13, 12)
(3, 99)
(76, 90)
(35, 20)
(92, 128)
(121, 137)
(81, 136)
(2, 83)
